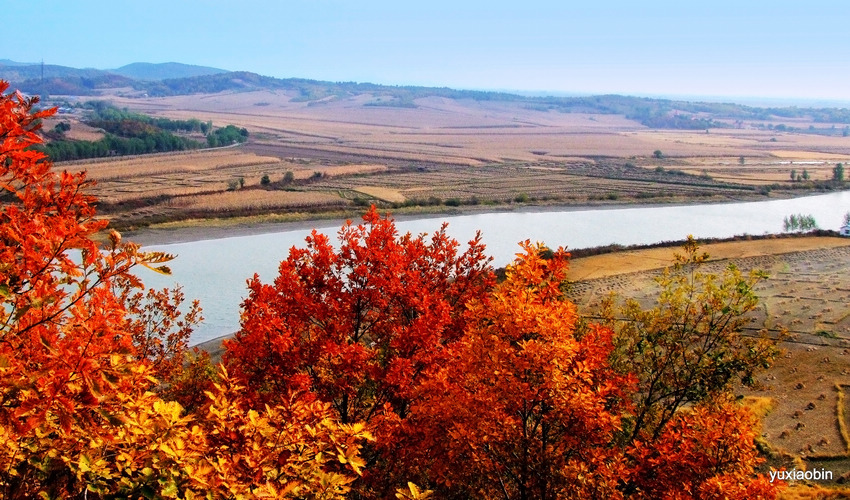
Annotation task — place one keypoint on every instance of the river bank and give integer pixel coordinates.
(214, 228)
(214, 263)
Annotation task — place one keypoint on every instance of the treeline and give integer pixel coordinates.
(129, 133)
(113, 145)
(126, 123)
(226, 136)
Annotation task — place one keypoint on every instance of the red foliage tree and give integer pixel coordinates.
(707, 453)
(357, 327)
(523, 408)
(81, 343)
(62, 345)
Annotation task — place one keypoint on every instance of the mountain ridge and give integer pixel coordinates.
(651, 112)
(164, 71)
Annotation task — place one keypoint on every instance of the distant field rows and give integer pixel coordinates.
(255, 199)
(478, 130)
(463, 151)
(500, 183)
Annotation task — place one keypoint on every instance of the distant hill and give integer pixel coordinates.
(158, 80)
(15, 72)
(8, 62)
(164, 71)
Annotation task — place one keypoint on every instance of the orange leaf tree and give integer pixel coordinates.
(81, 344)
(706, 453)
(523, 408)
(528, 406)
(64, 350)
(357, 327)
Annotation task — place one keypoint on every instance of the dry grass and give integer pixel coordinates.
(381, 193)
(188, 163)
(760, 406)
(813, 492)
(841, 415)
(306, 171)
(255, 199)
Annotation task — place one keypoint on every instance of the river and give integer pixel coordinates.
(215, 271)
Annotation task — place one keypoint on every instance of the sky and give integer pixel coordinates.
(740, 48)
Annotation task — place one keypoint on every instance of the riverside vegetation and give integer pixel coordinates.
(393, 366)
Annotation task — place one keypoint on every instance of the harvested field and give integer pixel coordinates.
(381, 193)
(189, 163)
(193, 183)
(254, 199)
(469, 132)
(611, 264)
(79, 131)
(462, 151)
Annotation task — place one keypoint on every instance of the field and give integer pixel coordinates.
(445, 151)
(808, 293)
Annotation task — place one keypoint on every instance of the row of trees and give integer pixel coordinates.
(226, 136)
(797, 176)
(111, 145)
(799, 222)
(385, 365)
(837, 174)
(129, 133)
(104, 115)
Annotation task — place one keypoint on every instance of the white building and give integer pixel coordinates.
(845, 230)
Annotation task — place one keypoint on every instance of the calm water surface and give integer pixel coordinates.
(215, 271)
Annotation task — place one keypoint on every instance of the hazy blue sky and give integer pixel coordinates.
(716, 48)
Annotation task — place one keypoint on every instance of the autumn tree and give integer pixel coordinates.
(523, 408)
(81, 344)
(532, 407)
(225, 450)
(691, 345)
(357, 327)
(65, 354)
(707, 452)
(475, 390)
